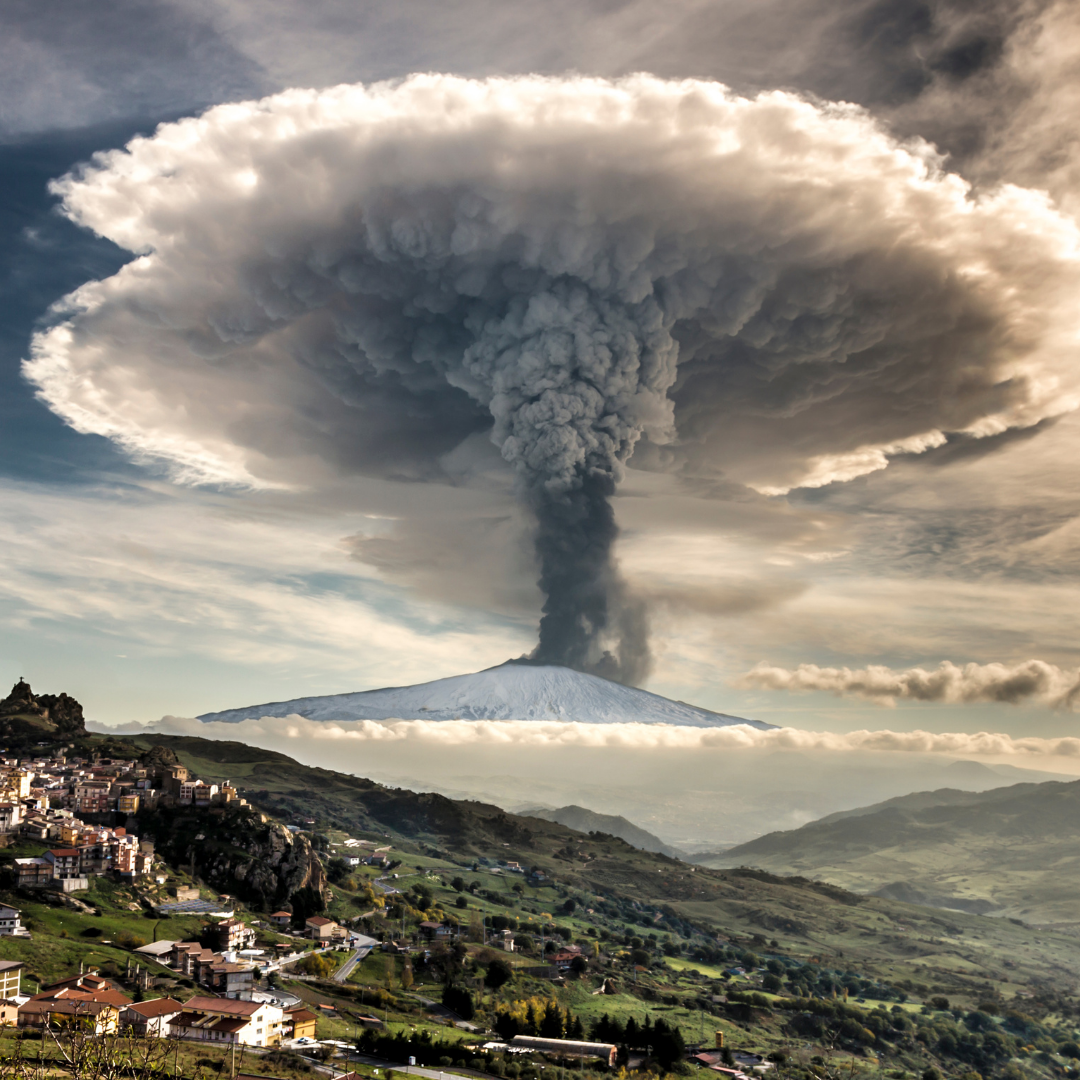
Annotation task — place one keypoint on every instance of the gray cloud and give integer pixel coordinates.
(364, 280)
(1033, 680)
(67, 64)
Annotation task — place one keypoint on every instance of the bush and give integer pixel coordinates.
(940, 1003)
(461, 902)
(1069, 1050)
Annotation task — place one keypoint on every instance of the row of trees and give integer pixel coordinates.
(537, 1016)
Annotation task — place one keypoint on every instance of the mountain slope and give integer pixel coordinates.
(1011, 851)
(588, 821)
(895, 941)
(507, 692)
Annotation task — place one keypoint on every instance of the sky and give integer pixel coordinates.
(737, 342)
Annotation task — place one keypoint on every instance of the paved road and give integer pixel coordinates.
(345, 970)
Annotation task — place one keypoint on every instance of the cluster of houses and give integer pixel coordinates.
(217, 966)
(76, 804)
(97, 1003)
(88, 850)
(39, 795)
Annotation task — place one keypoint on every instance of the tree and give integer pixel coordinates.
(552, 1024)
(579, 965)
(667, 1043)
(498, 974)
(337, 871)
(461, 902)
(321, 967)
(458, 1000)
(458, 884)
(446, 960)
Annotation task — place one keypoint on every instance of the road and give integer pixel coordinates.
(345, 970)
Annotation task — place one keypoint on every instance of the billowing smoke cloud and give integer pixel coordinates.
(1032, 681)
(361, 280)
(280, 732)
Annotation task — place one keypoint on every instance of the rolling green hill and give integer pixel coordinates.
(1011, 852)
(905, 944)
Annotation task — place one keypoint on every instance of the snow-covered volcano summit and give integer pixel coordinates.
(508, 692)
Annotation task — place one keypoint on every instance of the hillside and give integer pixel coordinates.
(892, 940)
(1011, 851)
(508, 692)
(587, 821)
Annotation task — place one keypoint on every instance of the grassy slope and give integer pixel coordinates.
(889, 939)
(1014, 849)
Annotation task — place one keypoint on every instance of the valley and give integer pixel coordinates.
(1010, 852)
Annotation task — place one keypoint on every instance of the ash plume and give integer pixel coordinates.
(357, 282)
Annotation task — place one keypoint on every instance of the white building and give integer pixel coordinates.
(9, 923)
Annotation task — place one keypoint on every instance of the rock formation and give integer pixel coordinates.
(239, 851)
(22, 713)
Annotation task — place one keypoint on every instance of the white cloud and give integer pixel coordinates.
(294, 731)
(1033, 680)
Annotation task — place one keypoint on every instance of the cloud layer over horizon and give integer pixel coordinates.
(280, 732)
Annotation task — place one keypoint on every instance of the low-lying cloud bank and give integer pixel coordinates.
(1032, 681)
(293, 731)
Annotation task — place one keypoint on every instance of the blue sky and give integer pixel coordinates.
(144, 594)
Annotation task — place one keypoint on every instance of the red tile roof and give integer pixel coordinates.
(157, 1007)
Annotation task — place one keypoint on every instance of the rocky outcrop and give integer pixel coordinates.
(159, 755)
(241, 852)
(25, 713)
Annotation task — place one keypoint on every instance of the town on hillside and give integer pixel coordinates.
(497, 960)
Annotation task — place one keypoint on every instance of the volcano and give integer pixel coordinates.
(511, 691)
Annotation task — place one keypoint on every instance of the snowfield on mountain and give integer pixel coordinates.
(508, 692)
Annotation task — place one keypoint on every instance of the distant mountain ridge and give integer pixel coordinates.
(1011, 851)
(586, 821)
(507, 692)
